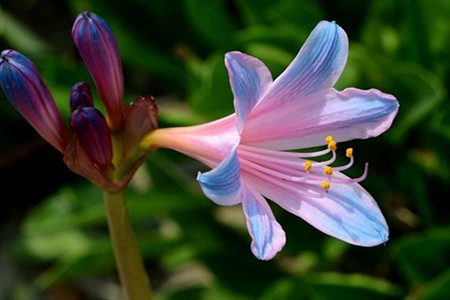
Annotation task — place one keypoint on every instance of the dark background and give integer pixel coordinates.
(53, 236)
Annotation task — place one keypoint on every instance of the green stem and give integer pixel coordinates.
(129, 261)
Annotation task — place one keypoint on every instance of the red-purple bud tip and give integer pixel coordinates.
(28, 93)
(80, 95)
(93, 133)
(98, 48)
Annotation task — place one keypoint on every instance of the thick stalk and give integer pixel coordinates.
(129, 262)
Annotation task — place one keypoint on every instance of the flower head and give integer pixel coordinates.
(300, 109)
(104, 150)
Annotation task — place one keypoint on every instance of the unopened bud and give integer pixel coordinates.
(80, 95)
(28, 93)
(98, 48)
(92, 130)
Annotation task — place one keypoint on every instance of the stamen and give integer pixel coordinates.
(272, 172)
(327, 162)
(301, 189)
(290, 168)
(308, 166)
(283, 153)
(325, 185)
(328, 170)
(332, 145)
(349, 152)
(348, 165)
(353, 180)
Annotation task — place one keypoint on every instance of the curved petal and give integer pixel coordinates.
(346, 211)
(249, 80)
(346, 115)
(223, 183)
(316, 67)
(268, 236)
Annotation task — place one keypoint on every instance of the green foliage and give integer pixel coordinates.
(195, 250)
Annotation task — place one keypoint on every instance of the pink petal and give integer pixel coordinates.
(346, 211)
(346, 115)
(249, 80)
(316, 67)
(223, 183)
(268, 236)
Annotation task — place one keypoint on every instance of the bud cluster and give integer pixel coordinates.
(103, 149)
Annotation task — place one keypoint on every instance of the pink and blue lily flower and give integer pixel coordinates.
(247, 151)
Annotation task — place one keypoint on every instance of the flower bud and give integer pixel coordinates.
(80, 95)
(27, 92)
(93, 133)
(98, 49)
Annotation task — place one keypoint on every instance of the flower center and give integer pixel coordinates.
(308, 176)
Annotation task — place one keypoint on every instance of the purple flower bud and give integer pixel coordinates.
(27, 92)
(98, 48)
(93, 133)
(80, 95)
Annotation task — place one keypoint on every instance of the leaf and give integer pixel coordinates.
(423, 256)
(212, 21)
(98, 258)
(440, 122)
(285, 289)
(275, 58)
(438, 288)
(19, 37)
(82, 206)
(421, 92)
(354, 286)
(211, 95)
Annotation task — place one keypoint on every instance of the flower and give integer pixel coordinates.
(105, 150)
(300, 109)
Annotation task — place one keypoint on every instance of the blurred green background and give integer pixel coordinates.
(53, 235)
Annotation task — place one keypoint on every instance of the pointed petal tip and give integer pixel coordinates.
(234, 55)
(268, 237)
(5, 53)
(269, 251)
(330, 24)
(249, 80)
(379, 237)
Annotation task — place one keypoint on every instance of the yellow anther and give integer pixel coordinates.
(349, 152)
(308, 165)
(328, 170)
(332, 145)
(329, 139)
(325, 185)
